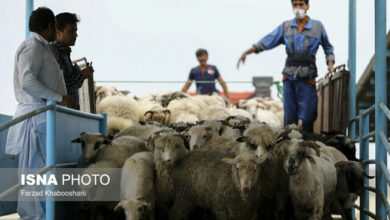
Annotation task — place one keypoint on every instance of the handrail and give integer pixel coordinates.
(385, 110)
(371, 134)
(384, 141)
(372, 215)
(369, 110)
(17, 186)
(25, 116)
(78, 113)
(385, 202)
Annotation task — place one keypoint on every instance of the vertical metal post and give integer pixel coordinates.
(50, 154)
(364, 127)
(352, 67)
(380, 96)
(103, 125)
(29, 9)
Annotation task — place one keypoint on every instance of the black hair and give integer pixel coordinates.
(306, 1)
(40, 19)
(65, 18)
(200, 52)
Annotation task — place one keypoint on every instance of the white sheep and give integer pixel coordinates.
(137, 189)
(121, 107)
(105, 91)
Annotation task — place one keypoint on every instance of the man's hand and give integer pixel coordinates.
(87, 72)
(330, 66)
(67, 101)
(242, 59)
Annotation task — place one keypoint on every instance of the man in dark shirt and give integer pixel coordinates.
(205, 72)
(66, 26)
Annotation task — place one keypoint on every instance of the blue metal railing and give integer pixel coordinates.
(380, 164)
(52, 109)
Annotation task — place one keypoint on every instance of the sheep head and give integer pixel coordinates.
(134, 209)
(354, 175)
(158, 114)
(90, 145)
(245, 172)
(168, 147)
(200, 134)
(295, 152)
(260, 137)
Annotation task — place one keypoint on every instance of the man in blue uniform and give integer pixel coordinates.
(205, 72)
(302, 37)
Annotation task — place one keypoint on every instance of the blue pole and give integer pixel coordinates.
(380, 96)
(29, 9)
(352, 67)
(364, 127)
(50, 153)
(103, 125)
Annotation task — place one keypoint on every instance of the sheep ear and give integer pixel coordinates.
(341, 164)
(107, 141)
(118, 206)
(312, 145)
(186, 142)
(311, 159)
(230, 161)
(241, 139)
(78, 140)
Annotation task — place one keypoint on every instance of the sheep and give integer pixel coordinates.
(96, 147)
(164, 100)
(97, 206)
(116, 124)
(261, 110)
(338, 146)
(181, 126)
(142, 132)
(121, 107)
(158, 114)
(261, 138)
(211, 100)
(350, 182)
(214, 112)
(185, 110)
(312, 178)
(238, 121)
(226, 187)
(104, 91)
(168, 147)
(137, 189)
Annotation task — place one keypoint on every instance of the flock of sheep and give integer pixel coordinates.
(229, 166)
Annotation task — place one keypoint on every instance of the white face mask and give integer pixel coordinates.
(299, 13)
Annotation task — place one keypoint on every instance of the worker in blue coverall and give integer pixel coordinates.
(302, 37)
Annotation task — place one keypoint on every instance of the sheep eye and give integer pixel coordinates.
(97, 145)
(204, 136)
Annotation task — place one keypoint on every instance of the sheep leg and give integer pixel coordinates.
(181, 209)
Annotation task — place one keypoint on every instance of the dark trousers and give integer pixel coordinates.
(300, 102)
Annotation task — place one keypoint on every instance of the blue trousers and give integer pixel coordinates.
(300, 102)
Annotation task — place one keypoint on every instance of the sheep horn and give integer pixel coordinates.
(314, 146)
(78, 140)
(368, 176)
(167, 111)
(365, 162)
(149, 112)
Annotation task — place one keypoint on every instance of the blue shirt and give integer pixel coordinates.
(301, 47)
(211, 73)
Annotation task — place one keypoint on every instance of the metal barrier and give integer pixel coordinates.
(52, 109)
(382, 172)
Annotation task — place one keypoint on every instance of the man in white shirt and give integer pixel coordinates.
(37, 78)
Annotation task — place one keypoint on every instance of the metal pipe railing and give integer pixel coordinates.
(16, 187)
(78, 113)
(24, 117)
(385, 109)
